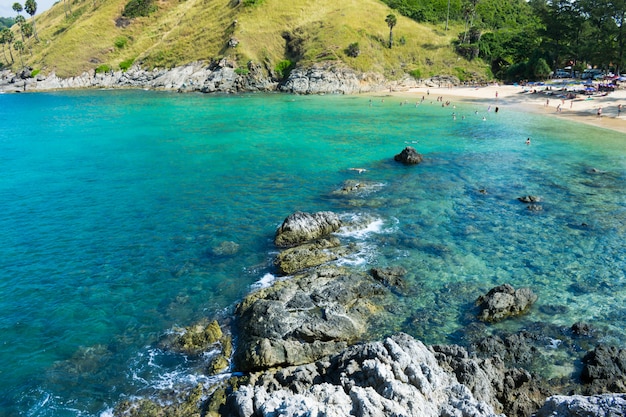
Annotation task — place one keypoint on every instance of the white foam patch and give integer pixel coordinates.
(266, 281)
(360, 226)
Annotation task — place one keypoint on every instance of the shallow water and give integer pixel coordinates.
(117, 206)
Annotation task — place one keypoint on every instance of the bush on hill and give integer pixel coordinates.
(137, 8)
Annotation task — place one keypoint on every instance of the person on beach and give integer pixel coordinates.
(619, 110)
(599, 113)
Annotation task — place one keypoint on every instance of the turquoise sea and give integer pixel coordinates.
(124, 214)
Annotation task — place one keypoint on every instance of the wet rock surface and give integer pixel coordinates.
(409, 156)
(302, 227)
(504, 301)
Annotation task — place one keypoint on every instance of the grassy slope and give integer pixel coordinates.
(183, 31)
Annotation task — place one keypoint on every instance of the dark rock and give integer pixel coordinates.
(353, 186)
(503, 302)
(579, 406)
(409, 156)
(302, 227)
(529, 199)
(582, 329)
(390, 277)
(605, 370)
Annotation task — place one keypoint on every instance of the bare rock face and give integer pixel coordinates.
(409, 156)
(304, 318)
(302, 227)
(309, 255)
(397, 376)
(608, 405)
(504, 301)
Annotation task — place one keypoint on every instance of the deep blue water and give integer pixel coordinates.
(114, 204)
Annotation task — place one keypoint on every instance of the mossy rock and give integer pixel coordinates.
(196, 339)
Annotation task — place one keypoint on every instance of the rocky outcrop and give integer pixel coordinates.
(610, 405)
(512, 391)
(302, 227)
(306, 317)
(605, 370)
(504, 301)
(224, 76)
(409, 156)
(397, 376)
(309, 255)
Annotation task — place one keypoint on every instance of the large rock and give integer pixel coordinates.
(308, 316)
(302, 227)
(605, 370)
(395, 377)
(503, 302)
(609, 405)
(309, 255)
(409, 156)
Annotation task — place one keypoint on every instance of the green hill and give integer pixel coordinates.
(80, 35)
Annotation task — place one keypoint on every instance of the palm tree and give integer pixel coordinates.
(391, 22)
(20, 20)
(17, 7)
(31, 8)
(19, 46)
(6, 37)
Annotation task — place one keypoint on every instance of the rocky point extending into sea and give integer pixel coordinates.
(221, 76)
(303, 347)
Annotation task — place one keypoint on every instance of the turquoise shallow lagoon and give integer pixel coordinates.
(115, 208)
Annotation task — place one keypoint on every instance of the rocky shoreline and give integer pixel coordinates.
(303, 348)
(222, 76)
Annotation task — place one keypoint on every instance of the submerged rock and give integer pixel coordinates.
(409, 156)
(390, 277)
(608, 405)
(302, 227)
(504, 301)
(529, 199)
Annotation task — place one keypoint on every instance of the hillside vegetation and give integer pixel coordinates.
(81, 35)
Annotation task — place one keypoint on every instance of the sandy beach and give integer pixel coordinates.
(582, 109)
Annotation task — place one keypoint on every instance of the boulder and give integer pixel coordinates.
(503, 302)
(409, 156)
(299, 320)
(605, 370)
(302, 227)
(608, 405)
(309, 255)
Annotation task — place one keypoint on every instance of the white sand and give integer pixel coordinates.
(582, 109)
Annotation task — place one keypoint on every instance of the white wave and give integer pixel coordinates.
(360, 226)
(267, 280)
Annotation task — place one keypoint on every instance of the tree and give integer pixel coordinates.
(20, 20)
(19, 46)
(391, 22)
(17, 7)
(31, 8)
(6, 37)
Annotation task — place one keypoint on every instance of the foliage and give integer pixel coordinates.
(6, 22)
(137, 8)
(242, 71)
(391, 21)
(126, 64)
(120, 42)
(283, 68)
(353, 50)
(35, 73)
(252, 2)
(104, 68)
(416, 73)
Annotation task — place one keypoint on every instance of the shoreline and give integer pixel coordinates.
(582, 109)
